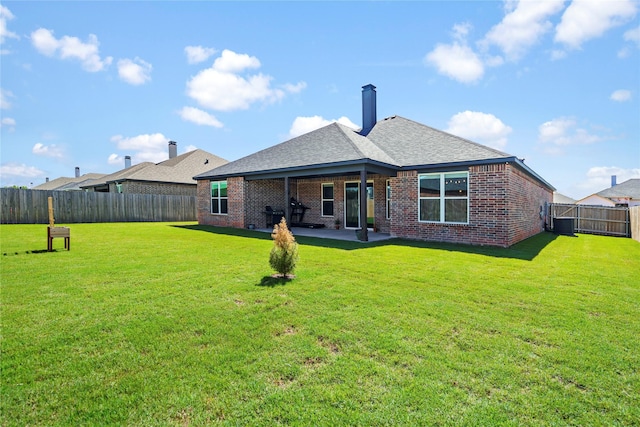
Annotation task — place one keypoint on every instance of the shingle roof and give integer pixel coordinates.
(330, 144)
(411, 143)
(67, 183)
(395, 141)
(629, 188)
(561, 198)
(179, 169)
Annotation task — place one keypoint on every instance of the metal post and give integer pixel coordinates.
(363, 205)
(287, 209)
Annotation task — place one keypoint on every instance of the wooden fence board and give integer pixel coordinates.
(30, 207)
(607, 221)
(634, 217)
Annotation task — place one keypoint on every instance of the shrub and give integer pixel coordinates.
(284, 254)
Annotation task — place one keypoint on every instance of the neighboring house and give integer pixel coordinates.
(170, 177)
(69, 184)
(395, 175)
(562, 199)
(624, 194)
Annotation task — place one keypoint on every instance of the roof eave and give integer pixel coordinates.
(335, 168)
(437, 167)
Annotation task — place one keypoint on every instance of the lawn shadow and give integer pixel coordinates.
(273, 281)
(33, 251)
(525, 250)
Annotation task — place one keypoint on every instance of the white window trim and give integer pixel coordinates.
(443, 198)
(322, 199)
(219, 198)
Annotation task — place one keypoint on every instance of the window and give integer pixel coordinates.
(219, 197)
(388, 196)
(327, 199)
(444, 197)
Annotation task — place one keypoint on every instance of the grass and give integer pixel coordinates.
(177, 324)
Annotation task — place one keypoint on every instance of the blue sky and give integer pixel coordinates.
(86, 83)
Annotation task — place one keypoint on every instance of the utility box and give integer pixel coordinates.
(564, 226)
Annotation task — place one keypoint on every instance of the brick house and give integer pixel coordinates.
(395, 175)
(170, 177)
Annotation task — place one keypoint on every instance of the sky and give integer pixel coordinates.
(83, 84)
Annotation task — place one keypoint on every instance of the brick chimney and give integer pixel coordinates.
(368, 109)
(173, 149)
(127, 162)
(77, 172)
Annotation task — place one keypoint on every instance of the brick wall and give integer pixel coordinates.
(248, 201)
(504, 206)
(260, 194)
(236, 189)
(526, 200)
(309, 192)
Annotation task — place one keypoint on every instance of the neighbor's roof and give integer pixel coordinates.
(179, 169)
(562, 199)
(66, 183)
(629, 188)
(394, 143)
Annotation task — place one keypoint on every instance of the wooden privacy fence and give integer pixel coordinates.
(634, 216)
(30, 207)
(603, 220)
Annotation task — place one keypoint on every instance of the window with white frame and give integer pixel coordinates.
(219, 197)
(327, 199)
(388, 197)
(444, 197)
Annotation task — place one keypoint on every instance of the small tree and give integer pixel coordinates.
(284, 253)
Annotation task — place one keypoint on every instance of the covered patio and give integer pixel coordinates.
(328, 233)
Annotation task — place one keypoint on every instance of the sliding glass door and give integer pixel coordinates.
(352, 205)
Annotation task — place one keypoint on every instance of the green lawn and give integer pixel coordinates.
(176, 324)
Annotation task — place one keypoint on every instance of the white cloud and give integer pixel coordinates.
(302, 125)
(294, 88)
(598, 178)
(461, 31)
(562, 132)
(6, 15)
(70, 48)
(5, 103)
(231, 62)
(115, 159)
(225, 86)
(621, 95)
(20, 170)
(199, 117)
(145, 148)
(52, 150)
(456, 61)
(135, 72)
(197, 54)
(522, 27)
(633, 35)
(587, 19)
(189, 148)
(8, 122)
(480, 127)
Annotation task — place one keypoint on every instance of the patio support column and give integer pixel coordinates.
(363, 206)
(287, 216)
